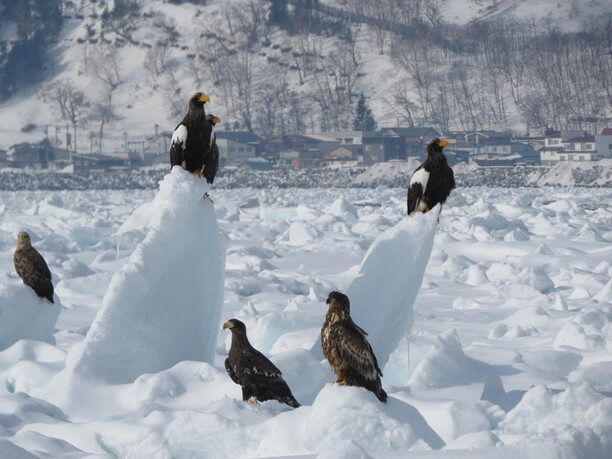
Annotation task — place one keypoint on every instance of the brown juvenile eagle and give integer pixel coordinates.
(191, 141)
(32, 268)
(347, 350)
(259, 378)
(432, 181)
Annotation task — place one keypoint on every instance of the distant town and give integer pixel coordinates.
(341, 149)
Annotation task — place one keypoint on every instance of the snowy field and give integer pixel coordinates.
(508, 357)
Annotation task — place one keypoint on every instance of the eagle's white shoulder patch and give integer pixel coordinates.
(180, 136)
(212, 139)
(421, 176)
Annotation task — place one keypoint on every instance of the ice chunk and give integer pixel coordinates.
(476, 276)
(341, 208)
(446, 365)
(164, 305)
(573, 335)
(383, 293)
(24, 315)
(605, 294)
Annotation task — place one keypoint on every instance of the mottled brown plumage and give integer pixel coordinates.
(246, 366)
(32, 268)
(347, 350)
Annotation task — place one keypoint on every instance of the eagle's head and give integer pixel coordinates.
(23, 239)
(198, 100)
(435, 146)
(235, 326)
(339, 306)
(213, 119)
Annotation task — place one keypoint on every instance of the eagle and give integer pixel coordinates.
(32, 267)
(347, 350)
(246, 366)
(432, 181)
(211, 170)
(191, 141)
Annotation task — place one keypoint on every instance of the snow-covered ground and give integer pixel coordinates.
(509, 354)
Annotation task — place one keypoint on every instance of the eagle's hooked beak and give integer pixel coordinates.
(443, 143)
(228, 325)
(216, 119)
(204, 98)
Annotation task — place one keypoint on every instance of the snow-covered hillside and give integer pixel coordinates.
(509, 354)
(120, 70)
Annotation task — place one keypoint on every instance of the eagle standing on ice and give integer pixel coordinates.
(32, 267)
(259, 378)
(432, 181)
(347, 350)
(191, 141)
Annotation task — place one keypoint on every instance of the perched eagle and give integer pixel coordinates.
(210, 170)
(32, 267)
(347, 350)
(191, 141)
(259, 378)
(432, 181)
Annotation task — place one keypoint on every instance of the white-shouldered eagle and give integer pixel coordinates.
(191, 141)
(432, 181)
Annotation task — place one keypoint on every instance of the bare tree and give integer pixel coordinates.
(71, 103)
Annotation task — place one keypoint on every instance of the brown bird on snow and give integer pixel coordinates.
(347, 350)
(32, 267)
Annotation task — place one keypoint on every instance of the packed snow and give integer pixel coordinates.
(498, 346)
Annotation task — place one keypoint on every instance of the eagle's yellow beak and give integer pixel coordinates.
(228, 325)
(204, 98)
(443, 143)
(216, 119)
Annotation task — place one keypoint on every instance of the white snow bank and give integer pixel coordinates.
(164, 305)
(446, 365)
(341, 208)
(580, 407)
(24, 315)
(383, 293)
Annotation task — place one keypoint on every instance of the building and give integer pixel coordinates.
(232, 151)
(84, 163)
(503, 153)
(568, 146)
(603, 143)
(300, 158)
(37, 156)
(243, 138)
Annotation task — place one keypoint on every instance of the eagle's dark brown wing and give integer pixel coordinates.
(354, 349)
(211, 163)
(259, 377)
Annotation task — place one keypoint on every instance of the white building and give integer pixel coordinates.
(568, 146)
(603, 143)
(233, 151)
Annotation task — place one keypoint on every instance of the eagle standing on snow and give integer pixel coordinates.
(32, 267)
(432, 181)
(259, 378)
(347, 350)
(191, 141)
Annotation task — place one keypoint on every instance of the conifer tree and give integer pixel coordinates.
(364, 118)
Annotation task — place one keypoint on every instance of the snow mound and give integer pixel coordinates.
(342, 413)
(383, 293)
(23, 315)
(446, 365)
(341, 208)
(579, 407)
(164, 305)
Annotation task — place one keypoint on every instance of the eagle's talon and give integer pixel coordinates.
(252, 401)
(342, 383)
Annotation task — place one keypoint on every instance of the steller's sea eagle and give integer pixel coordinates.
(259, 378)
(432, 181)
(191, 141)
